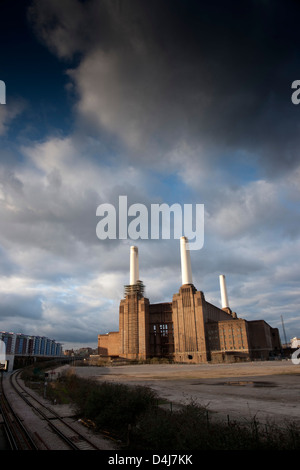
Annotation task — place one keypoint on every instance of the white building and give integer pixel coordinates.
(295, 343)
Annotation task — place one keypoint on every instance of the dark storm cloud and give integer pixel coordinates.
(7, 266)
(215, 74)
(17, 306)
(171, 101)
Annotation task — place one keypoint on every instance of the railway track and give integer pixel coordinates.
(16, 433)
(71, 437)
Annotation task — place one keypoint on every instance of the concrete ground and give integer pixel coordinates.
(268, 391)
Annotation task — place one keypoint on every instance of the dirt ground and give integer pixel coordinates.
(268, 391)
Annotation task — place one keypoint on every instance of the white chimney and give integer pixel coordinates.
(224, 297)
(134, 265)
(186, 269)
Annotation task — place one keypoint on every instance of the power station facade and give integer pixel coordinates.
(188, 329)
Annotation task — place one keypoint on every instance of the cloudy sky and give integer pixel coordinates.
(173, 101)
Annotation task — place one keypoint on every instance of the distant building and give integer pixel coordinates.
(295, 343)
(69, 352)
(84, 352)
(189, 329)
(26, 345)
(81, 352)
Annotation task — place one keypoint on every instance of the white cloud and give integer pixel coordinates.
(246, 209)
(9, 112)
(147, 108)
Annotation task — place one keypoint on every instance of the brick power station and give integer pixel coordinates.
(189, 329)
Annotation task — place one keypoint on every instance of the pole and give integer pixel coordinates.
(283, 330)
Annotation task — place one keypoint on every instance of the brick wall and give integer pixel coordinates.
(189, 331)
(109, 344)
(229, 335)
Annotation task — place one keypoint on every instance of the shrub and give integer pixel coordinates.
(115, 406)
(189, 429)
(110, 406)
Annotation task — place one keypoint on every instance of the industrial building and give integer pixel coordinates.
(187, 329)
